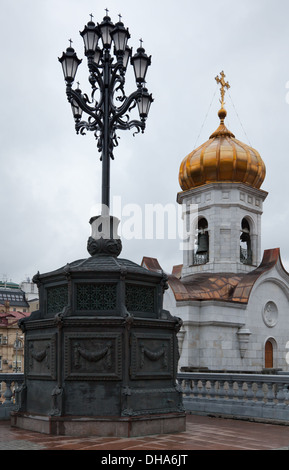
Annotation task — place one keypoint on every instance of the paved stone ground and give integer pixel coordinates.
(202, 433)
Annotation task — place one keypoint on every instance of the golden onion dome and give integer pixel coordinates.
(222, 158)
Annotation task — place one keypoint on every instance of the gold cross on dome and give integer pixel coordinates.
(221, 81)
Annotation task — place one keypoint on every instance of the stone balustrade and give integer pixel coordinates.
(263, 397)
(10, 383)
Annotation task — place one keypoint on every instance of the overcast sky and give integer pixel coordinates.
(51, 177)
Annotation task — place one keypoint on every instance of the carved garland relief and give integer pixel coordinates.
(93, 356)
(41, 361)
(152, 356)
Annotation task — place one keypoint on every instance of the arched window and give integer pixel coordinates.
(245, 243)
(17, 343)
(201, 252)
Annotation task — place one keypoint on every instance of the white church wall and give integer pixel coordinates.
(268, 319)
(186, 342)
(208, 337)
(218, 343)
(219, 348)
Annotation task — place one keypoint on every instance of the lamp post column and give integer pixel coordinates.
(106, 137)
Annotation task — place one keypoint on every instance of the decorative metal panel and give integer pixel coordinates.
(57, 298)
(152, 356)
(139, 298)
(96, 296)
(93, 356)
(40, 361)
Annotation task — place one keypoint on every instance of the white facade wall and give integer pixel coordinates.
(272, 289)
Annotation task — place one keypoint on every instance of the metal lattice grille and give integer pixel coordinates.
(139, 298)
(57, 298)
(96, 297)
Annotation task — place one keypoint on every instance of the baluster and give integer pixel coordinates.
(270, 394)
(286, 391)
(281, 395)
(221, 391)
(230, 393)
(187, 388)
(203, 388)
(212, 389)
(240, 392)
(250, 393)
(18, 388)
(8, 393)
(260, 393)
(286, 398)
(195, 390)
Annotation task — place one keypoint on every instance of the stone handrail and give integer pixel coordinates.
(7, 405)
(260, 397)
(263, 397)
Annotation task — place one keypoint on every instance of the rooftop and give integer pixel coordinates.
(15, 297)
(202, 433)
(228, 287)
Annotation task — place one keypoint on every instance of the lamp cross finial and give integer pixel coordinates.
(221, 81)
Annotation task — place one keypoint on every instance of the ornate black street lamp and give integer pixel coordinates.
(100, 348)
(109, 107)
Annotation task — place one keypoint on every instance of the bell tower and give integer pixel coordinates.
(222, 179)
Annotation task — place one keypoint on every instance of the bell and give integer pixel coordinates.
(245, 236)
(202, 243)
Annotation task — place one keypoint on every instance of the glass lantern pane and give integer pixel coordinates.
(90, 41)
(120, 40)
(126, 56)
(105, 35)
(74, 66)
(140, 68)
(76, 110)
(144, 105)
(97, 55)
(68, 68)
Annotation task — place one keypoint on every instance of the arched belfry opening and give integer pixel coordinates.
(245, 243)
(201, 252)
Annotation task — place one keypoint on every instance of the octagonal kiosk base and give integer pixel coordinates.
(101, 354)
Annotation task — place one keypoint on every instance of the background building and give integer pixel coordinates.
(13, 306)
(30, 289)
(234, 307)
